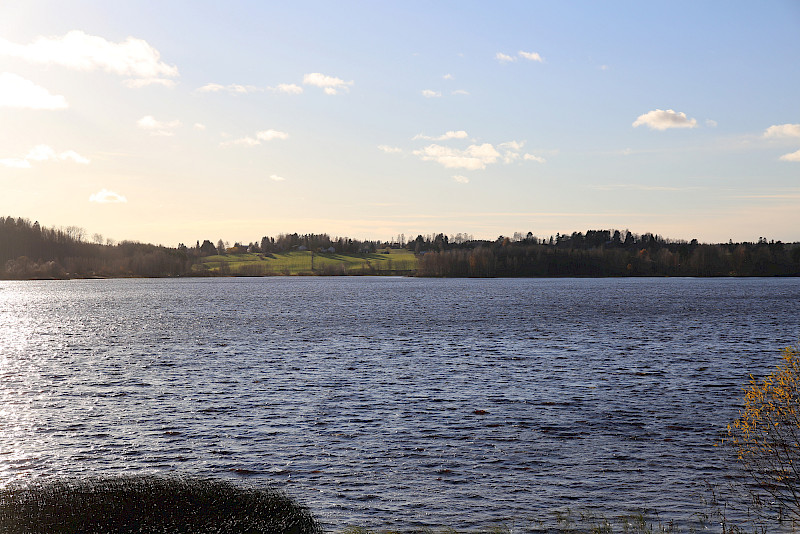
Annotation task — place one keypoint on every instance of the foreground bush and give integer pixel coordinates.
(766, 436)
(149, 504)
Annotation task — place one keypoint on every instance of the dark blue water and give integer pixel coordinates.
(393, 402)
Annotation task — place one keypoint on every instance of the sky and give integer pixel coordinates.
(172, 122)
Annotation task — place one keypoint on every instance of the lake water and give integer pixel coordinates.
(393, 402)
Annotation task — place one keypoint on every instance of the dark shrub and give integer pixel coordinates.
(149, 504)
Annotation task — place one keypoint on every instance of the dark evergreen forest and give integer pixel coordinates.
(29, 251)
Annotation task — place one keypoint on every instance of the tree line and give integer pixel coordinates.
(602, 253)
(28, 250)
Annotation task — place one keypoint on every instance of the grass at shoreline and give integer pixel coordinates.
(307, 263)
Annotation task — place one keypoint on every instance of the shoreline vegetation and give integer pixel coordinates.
(29, 251)
(150, 504)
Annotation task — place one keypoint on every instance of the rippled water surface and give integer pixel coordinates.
(392, 401)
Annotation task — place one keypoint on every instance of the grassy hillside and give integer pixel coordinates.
(300, 263)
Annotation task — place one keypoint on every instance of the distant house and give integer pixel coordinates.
(302, 248)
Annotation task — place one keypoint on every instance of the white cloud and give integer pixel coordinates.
(80, 51)
(460, 179)
(74, 156)
(288, 88)
(447, 77)
(783, 130)
(389, 149)
(245, 141)
(428, 93)
(604, 67)
(276, 178)
(15, 163)
(155, 127)
(233, 88)
(460, 92)
(211, 88)
(199, 126)
(794, 156)
(473, 158)
(41, 153)
(511, 150)
(711, 123)
(17, 92)
(104, 196)
(269, 135)
(264, 135)
(531, 56)
(659, 119)
(329, 84)
(451, 134)
(512, 145)
(504, 58)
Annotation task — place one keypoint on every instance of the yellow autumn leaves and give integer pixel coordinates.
(766, 436)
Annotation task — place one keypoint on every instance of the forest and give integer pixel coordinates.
(29, 251)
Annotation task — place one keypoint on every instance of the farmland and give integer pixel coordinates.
(395, 262)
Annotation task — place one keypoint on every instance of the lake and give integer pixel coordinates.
(393, 402)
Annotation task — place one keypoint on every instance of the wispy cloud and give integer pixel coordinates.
(276, 178)
(451, 134)
(269, 135)
(17, 92)
(458, 178)
(531, 56)
(79, 51)
(199, 126)
(330, 84)
(233, 88)
(389, 149)
(263, 135)
(660, 119)
(43, 153)
(155, 127)
(531, 157)
(429, 93)
(15, 163)
(287, 88)
(459, 92)
(137, 83)
(782, 130)
(794, 156)
(641, 187)
(447, 77)
(504, 58)
(104, 196)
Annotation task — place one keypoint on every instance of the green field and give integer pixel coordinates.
(397, 262)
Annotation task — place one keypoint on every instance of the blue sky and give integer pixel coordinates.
(176, 121)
